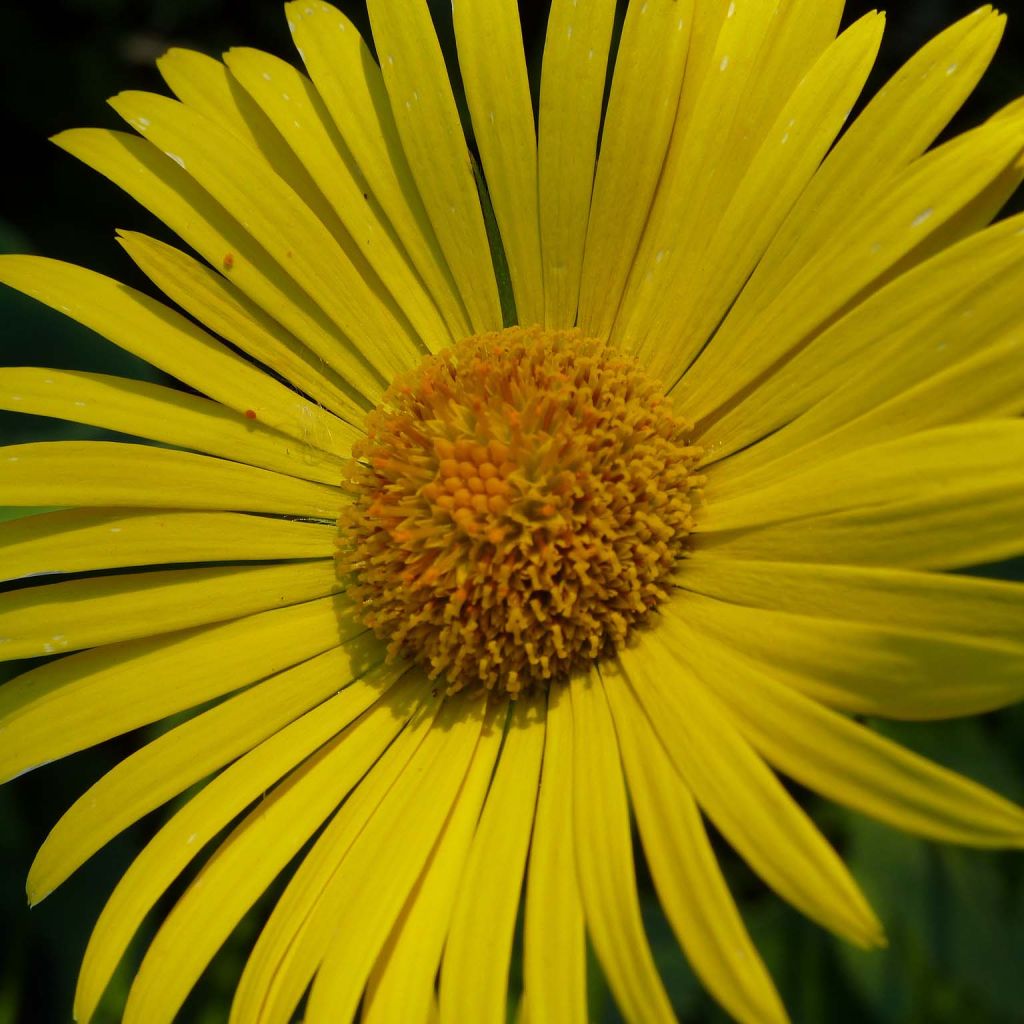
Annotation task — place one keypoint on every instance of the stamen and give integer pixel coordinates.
(519, 504)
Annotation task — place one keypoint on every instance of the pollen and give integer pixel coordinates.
(520, 503)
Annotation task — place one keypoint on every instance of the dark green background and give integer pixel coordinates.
(955, 918)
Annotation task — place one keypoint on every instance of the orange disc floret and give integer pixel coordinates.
(519, 504)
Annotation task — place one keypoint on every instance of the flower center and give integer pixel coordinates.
(518, 505)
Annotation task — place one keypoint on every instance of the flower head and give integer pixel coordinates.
(506, 508)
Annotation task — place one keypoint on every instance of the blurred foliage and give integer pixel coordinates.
(955, 918)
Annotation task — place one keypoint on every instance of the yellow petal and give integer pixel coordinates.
(903, 483)
(159, 184)
(60, 617)
(490, 47)
(554, 954)
(217, 303)
(290, 101)
(54, 473)
(487, 903)
(274, 978)
(188, 753)
(886, 344)
(642, 107)
(318, 735)
(401, 987)
(742, 796)
(206, 85)
(760, 53)
(690, 886)
(604, 858)
(705, 278)
(852, 765)
(81, 539)
(860, 667)
(376, 344)
(849, 261)
(571, 94)
(240, 869)
(378, 873)
(899, 124)
(352, 87)
(161, 414)
(72, 703)
(428, 124)
(923, 601)
(161, 336)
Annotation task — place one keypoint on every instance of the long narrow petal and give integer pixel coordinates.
(205, 84)
(352, 87)
(115, 474)
(61, 617)
(965, 296)
(274, 979)
(318, 735)
(498, 94)
(72, 703)
(604, 858)
(286, 228)
(926, 601)
(554, 951)
(402, 985)
(488, 900)
(289, 99)
(379, 872)
(743, 797)
(898, 125)
(642, 106)
(571, 94)
(760, 53)
(428, 123)
(861, 667)
(705, 279)
(161, 185)
(161, 414)
(246, 862)
(77, 540)
(854, 766)
(918, 202)
(188, 753)
(162, 336)
(689, 882)
(218, 304)
(988, 456)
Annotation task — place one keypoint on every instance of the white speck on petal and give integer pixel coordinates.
(285, 96)
(569, 33)
(64, 309)
(725, 63)
(15, 398)
(177, 159)
(300, 53)
(490, 116)
(643, 9)
(143, 122)
(309, 10)
(952, 69)
(391, 59)
(661, 255)
(48, 648)
(49, 380)
(298, 124)
(12, 458)
(922, 217)
(191, 839)
(590, 54)
(291, 25)
(785, 138)
(79, 404)
(115, 529)
(266, 75)
(731, 11)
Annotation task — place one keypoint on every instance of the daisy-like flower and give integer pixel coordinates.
(601, 485)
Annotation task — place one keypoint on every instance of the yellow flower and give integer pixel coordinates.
(657, 530)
